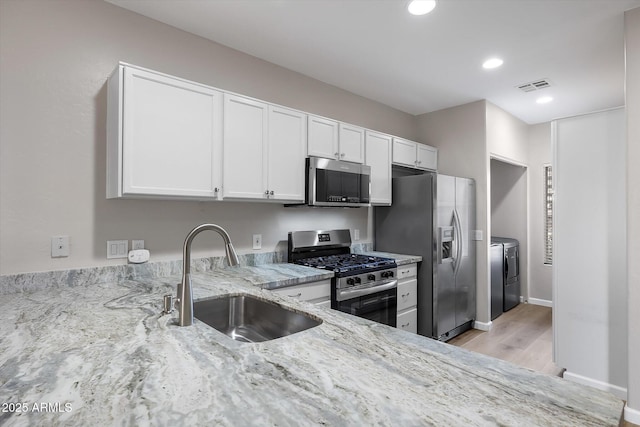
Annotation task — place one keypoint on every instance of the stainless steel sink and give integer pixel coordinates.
(249, 319)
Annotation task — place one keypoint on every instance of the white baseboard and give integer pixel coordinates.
(631, 415)
(481, 326)
(617, 391)
(542, 302)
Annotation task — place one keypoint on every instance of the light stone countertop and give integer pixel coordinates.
(400, 258)
(104, 355)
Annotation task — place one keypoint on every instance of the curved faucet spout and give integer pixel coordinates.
(185, 293)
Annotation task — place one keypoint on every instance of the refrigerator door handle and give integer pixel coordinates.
(458, 233)
(439, 246)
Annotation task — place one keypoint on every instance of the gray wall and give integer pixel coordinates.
(55, 57)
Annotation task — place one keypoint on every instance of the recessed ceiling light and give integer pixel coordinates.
(492, 63)
(544, 99)
(421, 7)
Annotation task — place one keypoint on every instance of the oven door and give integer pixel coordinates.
(377, 303)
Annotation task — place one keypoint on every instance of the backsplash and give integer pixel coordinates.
(30, 282)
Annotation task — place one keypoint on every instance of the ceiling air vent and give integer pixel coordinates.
(537, 85)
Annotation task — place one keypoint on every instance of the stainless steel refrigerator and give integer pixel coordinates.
(433, 215)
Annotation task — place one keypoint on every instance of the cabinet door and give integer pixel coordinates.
(286, 152)
(408, 321)
(407, 294)
(378, 157)
(171, 136)
(427, 157)
(323, 138)
(245, 144)
(404, 152)
(351, 143)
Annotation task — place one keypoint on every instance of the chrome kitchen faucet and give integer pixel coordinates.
(184, 301)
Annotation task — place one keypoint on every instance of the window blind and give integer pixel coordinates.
(548, 215)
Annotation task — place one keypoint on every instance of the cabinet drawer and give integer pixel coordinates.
(407, 294)
(405, 271)
(408, 321)
(307, 291)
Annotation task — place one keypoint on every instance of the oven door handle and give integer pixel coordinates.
(343, 295)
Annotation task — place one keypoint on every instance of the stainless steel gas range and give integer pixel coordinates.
(365, 286)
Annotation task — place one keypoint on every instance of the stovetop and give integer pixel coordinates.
(348, 263)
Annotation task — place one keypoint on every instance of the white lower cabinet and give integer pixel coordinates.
(318, 293)
(408, 298)
(408, 320)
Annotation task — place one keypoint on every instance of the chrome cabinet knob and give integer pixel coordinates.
(271, 193)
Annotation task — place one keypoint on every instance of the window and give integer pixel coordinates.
(548, 215)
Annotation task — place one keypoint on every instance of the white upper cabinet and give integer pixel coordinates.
(286, 154)
(164, 136)
(414, 155)
(427, 157)
(378, 157)
(323, 138)
(334, 140)
(351, 143)
(264, 151)
(245, 148)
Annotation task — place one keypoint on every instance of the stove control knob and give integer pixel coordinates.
(358, 280)
(387, 274)
(390, 274)
(371, 277)
(350, 282)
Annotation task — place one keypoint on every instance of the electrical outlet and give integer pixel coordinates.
(257, 241)
(137, 244)
(59, 246)
(117, 249)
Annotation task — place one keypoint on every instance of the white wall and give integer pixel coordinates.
(55, 58)
(589, 268)
(632, 42)
(539, 155)
(509, 209)
(507, 136)
(459, 133)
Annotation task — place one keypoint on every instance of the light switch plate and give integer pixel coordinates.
(117, 249)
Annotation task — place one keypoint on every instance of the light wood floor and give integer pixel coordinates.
(522, 336)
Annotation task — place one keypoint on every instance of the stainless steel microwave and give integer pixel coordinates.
(337, 183)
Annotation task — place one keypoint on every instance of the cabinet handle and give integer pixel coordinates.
(405, 325)
(271, 193)
(216, 190)
(341, 154)
(266, 192)
(296, 295)
(405, 295)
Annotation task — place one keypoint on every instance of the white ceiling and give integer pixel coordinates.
(375, 49)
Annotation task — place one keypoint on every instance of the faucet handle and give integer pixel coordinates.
(168, 304)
